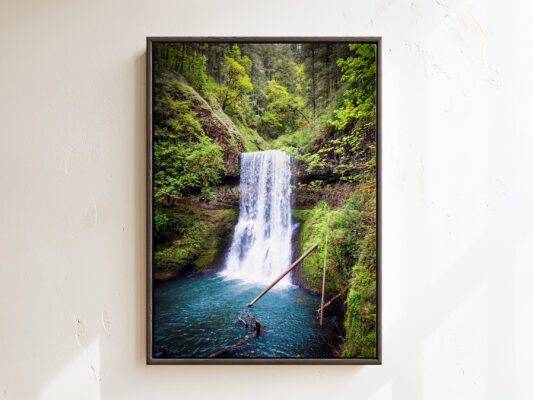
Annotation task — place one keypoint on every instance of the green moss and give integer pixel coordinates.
(163, 276)
(190, 237)
(252, 140)
(297, 139)
(351, 260)
(186, 160)
(300, 215)
(181, 114)
(360, 319)
(206, 259)
(313, 229)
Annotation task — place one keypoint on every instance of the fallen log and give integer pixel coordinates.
(255, 322)
(324, 277)
(344, 289)
(255, 330)
(279, 278)
(257, 145)
(237, 343)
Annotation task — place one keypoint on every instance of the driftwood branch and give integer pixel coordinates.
(344, 289)
(255, 322)
(279, 278)
(255, 330)
(324, 276)
(237, 343)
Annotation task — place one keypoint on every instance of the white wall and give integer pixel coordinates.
(457, 196)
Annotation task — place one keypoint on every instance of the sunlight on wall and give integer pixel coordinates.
(384, 392)
(524, 329)
(523, 211)
(393, 257)
(458, 349)
(457, 116)
(79, 379)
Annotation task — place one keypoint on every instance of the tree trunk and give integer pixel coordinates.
(237, 343)
(335, 297)
(324, 276)
(298, 261)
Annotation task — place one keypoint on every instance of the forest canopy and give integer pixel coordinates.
(314, 100)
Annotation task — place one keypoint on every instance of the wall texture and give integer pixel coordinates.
(457, 195)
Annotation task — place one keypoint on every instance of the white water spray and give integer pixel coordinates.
(261, 248)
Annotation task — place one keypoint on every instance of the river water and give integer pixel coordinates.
(196, 316)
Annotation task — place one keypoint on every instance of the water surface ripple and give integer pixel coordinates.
(195, 316)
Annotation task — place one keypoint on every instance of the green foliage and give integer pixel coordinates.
(307, 138)
(183, 249)
(313, 230)
(360, 98)
(160, 223)
(360, 319)
(270, 61)
(232, 93)
(252, 140)
(288, 73)
(173, 114)
(185, 159)
(213, 93)
(284, 111)
(277, 89)
(322, 73)
(186, 168)
(168, 223)
(294, 140)
(237, 84)
(186, 59)
(351, 260)
(235, 54)
(346, 144)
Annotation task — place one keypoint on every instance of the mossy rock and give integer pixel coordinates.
(215, 124)
(196, 239)
(163, 276)
(206, 260)
(351, 260)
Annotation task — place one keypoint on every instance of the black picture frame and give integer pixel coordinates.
(150, 359)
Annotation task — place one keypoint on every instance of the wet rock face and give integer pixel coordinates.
(334, 194)
(303, 176)
(217, 125)
(225, 196)
(223, 132)
(208, 229)
(319, 184)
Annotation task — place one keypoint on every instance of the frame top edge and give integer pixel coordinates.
(265, 39)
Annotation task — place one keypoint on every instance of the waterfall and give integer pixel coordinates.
(261, 248)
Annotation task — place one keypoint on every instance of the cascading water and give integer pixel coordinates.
(261, 248)
(195, 316)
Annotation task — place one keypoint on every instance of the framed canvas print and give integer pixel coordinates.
(263, 200)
